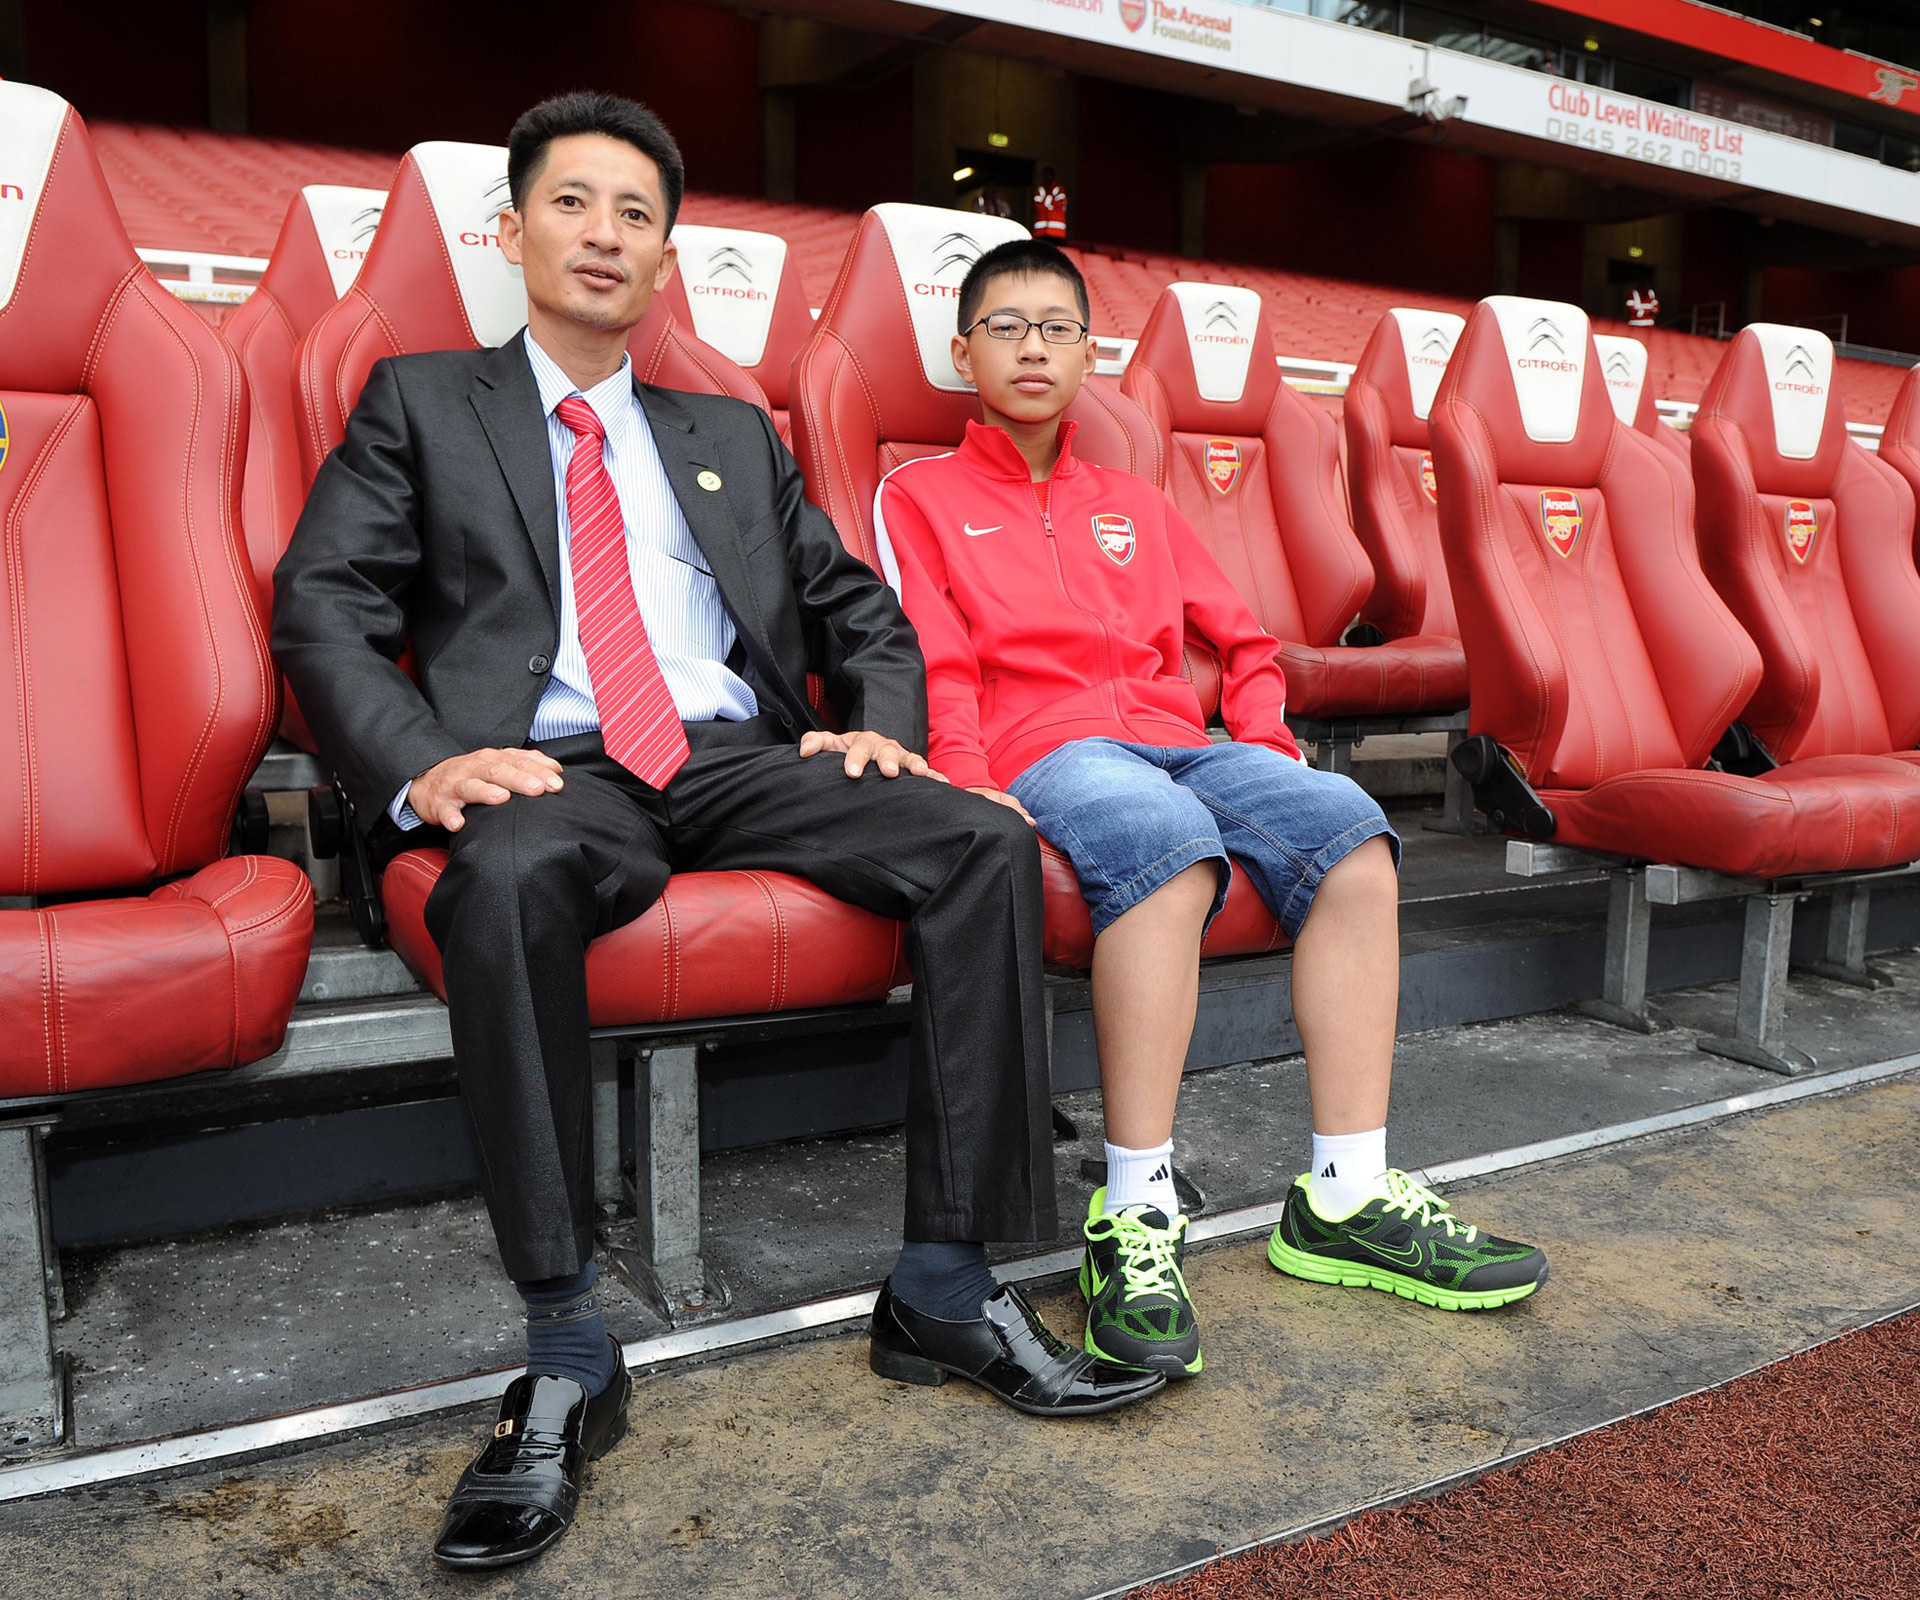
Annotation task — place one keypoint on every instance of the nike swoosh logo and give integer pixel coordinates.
(974, 533)
(1407, 1255)
(1099, 1281)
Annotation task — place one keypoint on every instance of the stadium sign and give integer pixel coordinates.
(1395, 75)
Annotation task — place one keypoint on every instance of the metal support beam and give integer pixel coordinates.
(609, 1176)
(1761, 1013)
(1623, 999)
(1456, 810)
(661, 1256)
(33, 1408)
(1334, 755)
(1846, 957)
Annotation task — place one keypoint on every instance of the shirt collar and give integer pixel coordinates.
(991, 449)
(606, 396)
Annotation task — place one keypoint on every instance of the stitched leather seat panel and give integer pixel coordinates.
(716, 944)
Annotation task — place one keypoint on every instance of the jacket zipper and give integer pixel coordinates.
(1099, 622)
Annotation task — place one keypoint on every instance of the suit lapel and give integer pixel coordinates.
(686, 454)
(507, 401)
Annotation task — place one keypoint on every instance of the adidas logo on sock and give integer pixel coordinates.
(1159, 1174)
(1328, 1172)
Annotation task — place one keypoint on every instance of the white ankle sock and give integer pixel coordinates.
(1346, 1171)
(1141, 1178)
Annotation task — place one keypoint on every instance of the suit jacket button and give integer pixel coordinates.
(538, 665)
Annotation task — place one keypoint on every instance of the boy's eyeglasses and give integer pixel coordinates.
(1055, 330)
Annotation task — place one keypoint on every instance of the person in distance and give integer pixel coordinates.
(1051, 598)
(616, 593)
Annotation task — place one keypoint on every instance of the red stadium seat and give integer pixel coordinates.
(321, 245)
(434, 279)
(1255, 469)
(1390, 471)
(136, 656)
(1900, 440)
(1601, 658)
(716, 944)
(1809, 540)
(740, 292)
(1623, 363)
(875, 386)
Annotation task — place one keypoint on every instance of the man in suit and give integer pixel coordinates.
(614, 594)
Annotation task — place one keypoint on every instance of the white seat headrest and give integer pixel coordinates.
(1427, 339)
(1623, 363)
(467, 184)
(30, 121)
(932, 248)
(344, 220)
(1546, 344)
(731, 278)
(1219, 320)
(1799, 365)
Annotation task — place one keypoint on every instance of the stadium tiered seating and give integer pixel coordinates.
(1900, 442)
(740, 292)
(1605, 667)
(1809, 540)
(325, 236)
(1390, 483)
(1254, 467)
(137, 667)
(1623, 363)
(875, 386)
(717, 944)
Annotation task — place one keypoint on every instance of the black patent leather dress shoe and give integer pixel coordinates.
(1008, 1351)
(520, 1494)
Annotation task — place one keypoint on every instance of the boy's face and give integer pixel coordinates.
(1026, 379)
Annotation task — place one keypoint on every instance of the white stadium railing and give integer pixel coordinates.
(209, 279)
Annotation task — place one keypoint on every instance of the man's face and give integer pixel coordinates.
(1025, 379)
(591, 234)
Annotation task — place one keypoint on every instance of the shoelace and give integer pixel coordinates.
(1147, 1262)
(1408, 1197)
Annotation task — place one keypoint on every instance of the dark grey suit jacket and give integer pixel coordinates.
(434, 524)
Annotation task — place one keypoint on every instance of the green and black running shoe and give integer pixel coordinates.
(1408, 1242)
(1138, 1313)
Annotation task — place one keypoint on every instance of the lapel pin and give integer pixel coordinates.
(708, 481)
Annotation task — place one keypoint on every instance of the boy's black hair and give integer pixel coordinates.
(589, 111)
(1019, 258)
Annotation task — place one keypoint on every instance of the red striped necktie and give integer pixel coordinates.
(639, 722)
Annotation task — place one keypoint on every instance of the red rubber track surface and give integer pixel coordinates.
(1802, 1479)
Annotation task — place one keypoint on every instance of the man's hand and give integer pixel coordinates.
(889, 755)
(441, 794)
(1001, 798)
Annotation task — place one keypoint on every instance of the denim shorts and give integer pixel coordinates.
(1131, 816)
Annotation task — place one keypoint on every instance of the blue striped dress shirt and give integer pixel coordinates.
(679, 601)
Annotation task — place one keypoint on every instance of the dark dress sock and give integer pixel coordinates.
(947, 1280)
(566, 1334)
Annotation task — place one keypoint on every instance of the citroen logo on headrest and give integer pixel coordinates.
(730, 258)
(1220, 314)
(1800, 362)
(1618, 368)
(1545, 332)
(1436, 342)
(364, 222)
(498, 198)
(954, 250)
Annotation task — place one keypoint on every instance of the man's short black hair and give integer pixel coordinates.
(588, 111)
(1019, 258)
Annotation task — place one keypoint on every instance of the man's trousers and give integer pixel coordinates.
(529, 883)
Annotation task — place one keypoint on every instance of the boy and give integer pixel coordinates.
(1052, 598)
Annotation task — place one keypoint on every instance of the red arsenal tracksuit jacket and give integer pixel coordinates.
(1057, 611)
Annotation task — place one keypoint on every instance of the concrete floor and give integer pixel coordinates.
(1678, 1262)
(249, 1322)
